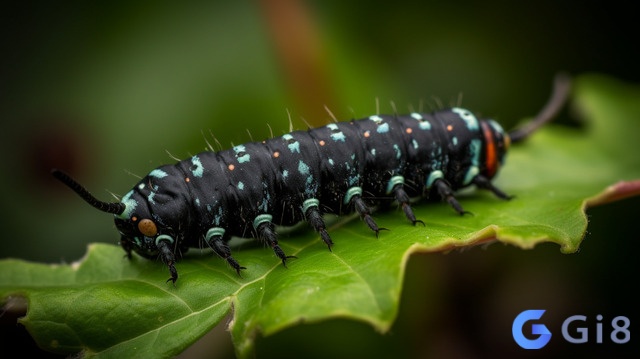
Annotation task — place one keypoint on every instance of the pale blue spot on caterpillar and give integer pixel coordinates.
(474, 150)
(292, 144)
(129, 205)
(157, 173)
(416, 116)
(383, 127)
(198, 168)
(264, 205)
(218, 217)
(241, 154)
(468, 117)
(377, 119)
(424, 125)
(398, 152)
(303, 168)
(353, 180)
(336, 134)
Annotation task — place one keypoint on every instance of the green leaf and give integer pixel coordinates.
(107, 306)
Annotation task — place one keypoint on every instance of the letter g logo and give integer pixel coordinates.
(544, 335)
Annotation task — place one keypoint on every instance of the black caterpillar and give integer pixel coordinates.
(249, 188)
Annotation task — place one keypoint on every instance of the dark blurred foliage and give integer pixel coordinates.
(104, 89)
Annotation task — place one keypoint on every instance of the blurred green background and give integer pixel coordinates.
(105, 90)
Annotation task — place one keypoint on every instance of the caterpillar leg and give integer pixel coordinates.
(215, 240)
(365, 213)
(314, 218)
(265, 229)
(127, 246)
(403, 200)
(485, 183)
(396, 185)
(168, 258)
(446, 193)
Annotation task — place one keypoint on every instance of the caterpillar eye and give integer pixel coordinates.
(147, 227)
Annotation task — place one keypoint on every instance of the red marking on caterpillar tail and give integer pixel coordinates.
(491, 159)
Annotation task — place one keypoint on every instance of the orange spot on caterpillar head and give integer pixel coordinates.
(408, 130)
(367, 134)
(231, 167)
(449, 127)
(276, 154)
(187, 179)
(321, 142)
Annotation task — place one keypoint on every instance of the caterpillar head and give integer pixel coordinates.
(140, 229)
(144, 218)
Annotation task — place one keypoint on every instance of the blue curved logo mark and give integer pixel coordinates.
(544, 335)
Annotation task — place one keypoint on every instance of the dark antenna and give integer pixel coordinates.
(115, 208)
(561, 88)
